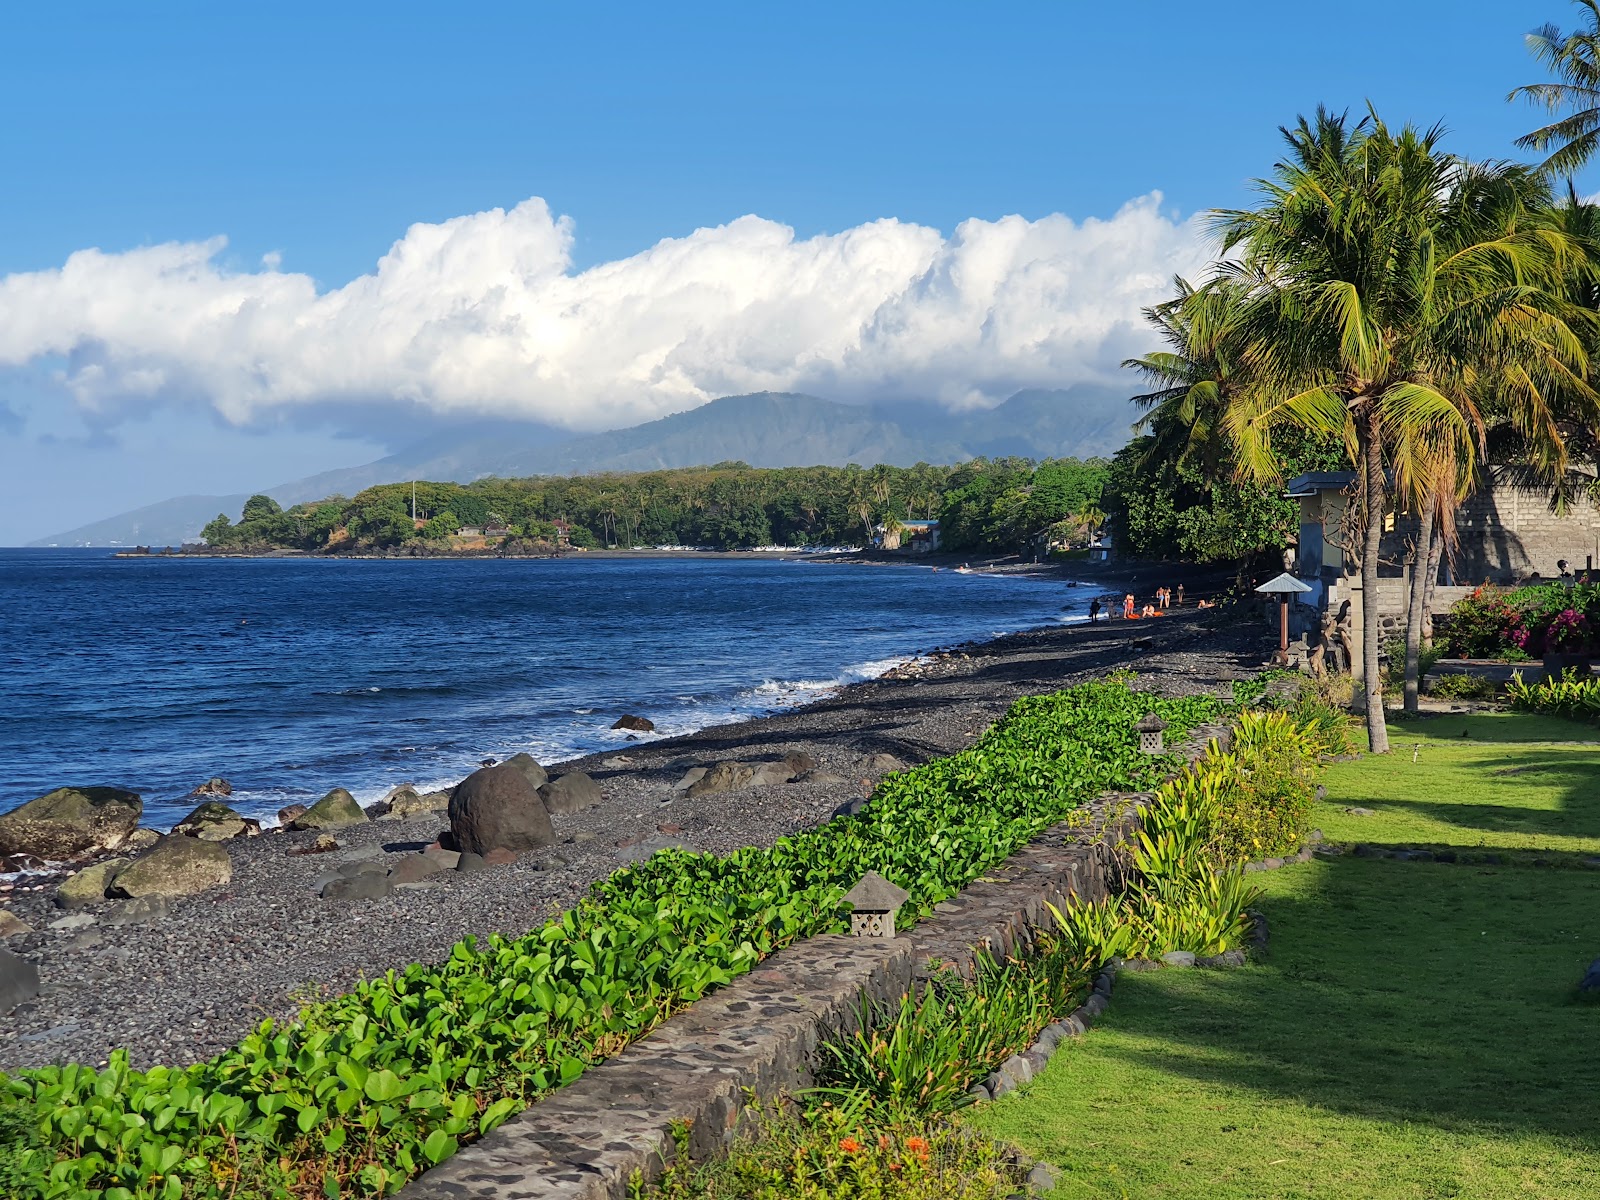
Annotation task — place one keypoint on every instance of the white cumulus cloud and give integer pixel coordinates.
(484, 315)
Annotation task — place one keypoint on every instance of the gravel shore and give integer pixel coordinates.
(184, 988)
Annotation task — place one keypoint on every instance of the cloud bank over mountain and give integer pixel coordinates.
(484, 316)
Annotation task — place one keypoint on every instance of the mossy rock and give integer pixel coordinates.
(334, 811)
(89, 885)
(71, 821)
(179, 866)
(213, 821)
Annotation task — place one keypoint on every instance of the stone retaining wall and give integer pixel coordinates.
(760, 1033)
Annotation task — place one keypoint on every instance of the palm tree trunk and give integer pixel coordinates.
(1435, 556)
(1421, 557)
(1377, 731)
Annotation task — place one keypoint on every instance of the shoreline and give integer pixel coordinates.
(184, 988)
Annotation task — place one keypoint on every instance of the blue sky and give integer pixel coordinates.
(320, 133)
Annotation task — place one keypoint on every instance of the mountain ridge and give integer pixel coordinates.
(763, 429)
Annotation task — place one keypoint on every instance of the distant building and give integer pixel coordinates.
(909, 537)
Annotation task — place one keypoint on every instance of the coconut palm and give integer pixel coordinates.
(1392, 288)
(1574, 58)
(1196, 378)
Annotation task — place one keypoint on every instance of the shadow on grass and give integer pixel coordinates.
(1448, 796)
(1397, 992)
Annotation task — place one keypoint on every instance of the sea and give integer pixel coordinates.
(289, 677)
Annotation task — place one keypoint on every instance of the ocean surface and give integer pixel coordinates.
(292, 676)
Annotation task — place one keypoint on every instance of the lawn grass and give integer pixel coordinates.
(1413, 1032)
(1487, 727)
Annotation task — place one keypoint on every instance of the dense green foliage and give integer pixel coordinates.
(1570, 697)
(1176, 507)
(1002, 504)
(370, 1088)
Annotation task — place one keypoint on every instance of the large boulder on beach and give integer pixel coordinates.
(89, 885)
(572, 792)
(214, 821)
(722, 777)
(179, 866)
(71, 821)
(12, 925)
(637, 724)
(334, 811)
(19, 980)
(536, 775)
(498, 807)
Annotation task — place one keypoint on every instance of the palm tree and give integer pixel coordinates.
(1392, 288)
(863, 511)
(1574, 58)
(1196, 377)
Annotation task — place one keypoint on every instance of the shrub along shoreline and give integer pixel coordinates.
(369, 1089)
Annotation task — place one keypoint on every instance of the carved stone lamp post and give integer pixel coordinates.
(1149, 728)
(875, 902)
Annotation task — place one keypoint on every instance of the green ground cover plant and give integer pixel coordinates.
(1411, 1034)
(366, 1090)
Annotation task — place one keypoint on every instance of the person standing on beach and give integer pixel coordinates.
(1180, 595)
(1127, 607)
(1094, 611)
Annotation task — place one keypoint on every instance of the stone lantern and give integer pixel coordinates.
(875, 902)
(1149, 728)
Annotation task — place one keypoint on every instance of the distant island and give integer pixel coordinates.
(1009, 504)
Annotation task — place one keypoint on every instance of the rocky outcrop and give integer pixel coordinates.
(406, 802)
(799, 762)
(214, 821)
(497, 806)
(722, 777)
(141, 838)
(637, 724)
(69, 822)
(215, 786)
(19, 981)
(771, 774)
(334, 811)
(289, 813)
(881, 764)
(572, 792)
(89, 885)
(413, 868)
(536, 775)
(822, 777)
(12, 925)
(179, 866)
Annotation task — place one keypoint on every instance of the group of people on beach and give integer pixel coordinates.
(1163, 599)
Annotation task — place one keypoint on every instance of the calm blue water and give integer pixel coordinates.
(293, 676)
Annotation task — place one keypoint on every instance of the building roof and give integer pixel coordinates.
(1320, 481)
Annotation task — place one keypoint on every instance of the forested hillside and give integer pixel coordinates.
(1007, 503)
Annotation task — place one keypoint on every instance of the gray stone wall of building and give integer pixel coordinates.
(1506, 535)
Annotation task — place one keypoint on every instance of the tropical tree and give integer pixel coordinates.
(1574, 58)
(1392, 287)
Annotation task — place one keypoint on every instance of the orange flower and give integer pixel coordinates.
(849, 1145)
(883, 1141)
(918, 1146)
